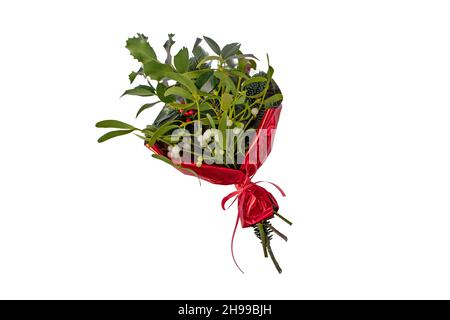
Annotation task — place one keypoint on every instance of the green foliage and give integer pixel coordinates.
(217, 89)
(182, 60)
(141, 90)
(140, 49)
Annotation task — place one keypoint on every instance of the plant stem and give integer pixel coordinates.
(278, 233)
(283, 218)
(275, 262)
(263, 238)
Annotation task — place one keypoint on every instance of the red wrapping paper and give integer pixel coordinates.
(254, 202)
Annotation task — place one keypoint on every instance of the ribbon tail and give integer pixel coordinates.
(228, 197)
(276, 186)
(232, 244)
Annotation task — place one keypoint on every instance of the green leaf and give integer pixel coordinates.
(223, 129)
(226, 80)
(185, 81)
(162, 130)
(208, 58)
(156, 70)
(181, 60)
(140, 49)
(240, 56)
(253, 80)
(211, 121)
(160, 90)
(114, 124)
(132, 76)
(239, 74)
(181, 105)
(275, 98)
(230, 49)
(141, 90)
(113, 134)
(225, 101)
(202, 79)
(213, 45)
(145, 107)
(162, 158)
(178, 91)
(196, 73)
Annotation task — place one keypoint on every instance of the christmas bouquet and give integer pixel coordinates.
(217, 122)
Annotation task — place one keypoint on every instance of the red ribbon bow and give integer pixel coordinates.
(255, 204)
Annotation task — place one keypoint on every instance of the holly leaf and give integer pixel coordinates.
(181, 60)
(140, 49)
(141, 90)
(213, 45)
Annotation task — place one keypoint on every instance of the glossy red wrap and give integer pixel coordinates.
(254, 202)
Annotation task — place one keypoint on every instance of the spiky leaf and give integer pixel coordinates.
(140, 49)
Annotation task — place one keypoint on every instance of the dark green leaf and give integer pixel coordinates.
(140, 49)
(203, 78)
(156, 70)
(160, 90)
(145, 107)
(213, 45)
(230, 49)
(182, 60)
(114, 124)
(113, 134)
(141, 90)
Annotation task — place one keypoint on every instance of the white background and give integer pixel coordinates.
(362, 152)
